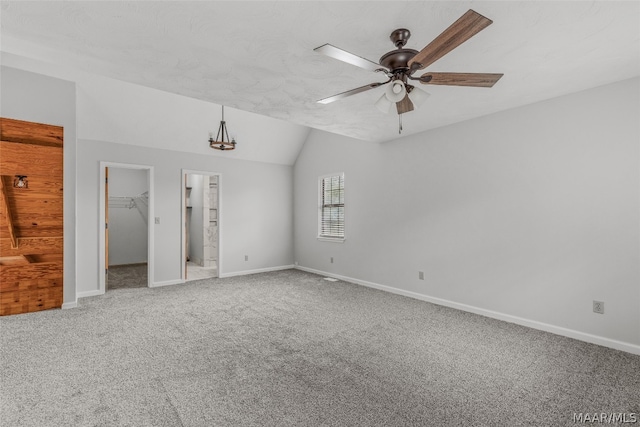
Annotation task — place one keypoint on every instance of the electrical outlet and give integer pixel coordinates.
(598, 307)
(246, 257)
(157, 220)
(331, 260)
(421, 275)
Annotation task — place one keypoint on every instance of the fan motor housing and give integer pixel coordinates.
(397, 60)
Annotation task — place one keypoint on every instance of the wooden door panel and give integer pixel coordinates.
(30, 232)
(45, 298)
(37, 159)
(41, 270)
(30, 132)
(39, 186)
(29, 300)
(29, 285)
(32, 245)
(31, 218)
(14, 302)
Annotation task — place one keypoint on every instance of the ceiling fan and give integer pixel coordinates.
(400, 64)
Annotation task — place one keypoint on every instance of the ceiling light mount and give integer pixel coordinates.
(400, 37)
(220, 143)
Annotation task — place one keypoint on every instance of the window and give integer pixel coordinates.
(331, 215)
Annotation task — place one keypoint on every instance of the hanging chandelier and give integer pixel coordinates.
(220, 143)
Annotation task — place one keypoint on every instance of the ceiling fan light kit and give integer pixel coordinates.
(418, 96)
(396, 91)
(383, 104)
(400, 64)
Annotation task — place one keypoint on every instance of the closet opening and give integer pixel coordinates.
(126, 260)
(201, 225)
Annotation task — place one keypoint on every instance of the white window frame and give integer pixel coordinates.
(320, 206)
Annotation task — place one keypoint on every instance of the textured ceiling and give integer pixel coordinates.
(258, 56)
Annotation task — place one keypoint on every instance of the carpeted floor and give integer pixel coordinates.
(127, 276)
(288, 348)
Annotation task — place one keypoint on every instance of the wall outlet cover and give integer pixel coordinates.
(598, 307)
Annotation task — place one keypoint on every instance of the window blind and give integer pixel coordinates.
(332, 207)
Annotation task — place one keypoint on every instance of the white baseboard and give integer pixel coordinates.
(89, 293)
(259, 270)
(70, 304)
(166, 283)
(558, 330)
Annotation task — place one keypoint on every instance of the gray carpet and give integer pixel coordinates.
(127, 276)
(291, 349)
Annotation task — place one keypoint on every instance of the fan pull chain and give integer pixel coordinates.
(399, 124)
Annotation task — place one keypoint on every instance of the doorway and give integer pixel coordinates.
(201, 225)
(127, 218)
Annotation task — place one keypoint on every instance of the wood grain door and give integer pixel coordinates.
(31, 216)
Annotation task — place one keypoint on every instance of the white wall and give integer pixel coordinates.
(256, 197)
(256, 210)
(126, 113)
(37, 98)
(128, 229)
(528, 214)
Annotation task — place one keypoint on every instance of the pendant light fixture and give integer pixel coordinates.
(220, 143)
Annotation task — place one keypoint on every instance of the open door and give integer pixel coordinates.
(201, 225)
(126, 222)
(125, 226)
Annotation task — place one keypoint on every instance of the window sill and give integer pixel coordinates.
(331, 239)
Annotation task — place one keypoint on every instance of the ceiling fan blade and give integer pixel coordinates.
(405, 105)
(347, 57)
(461, 79)
(349, 93)
(460, 31)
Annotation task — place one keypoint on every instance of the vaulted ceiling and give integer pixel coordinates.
(259, 57)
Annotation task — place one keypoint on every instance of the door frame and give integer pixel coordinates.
(101, 223)
(183, 231)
